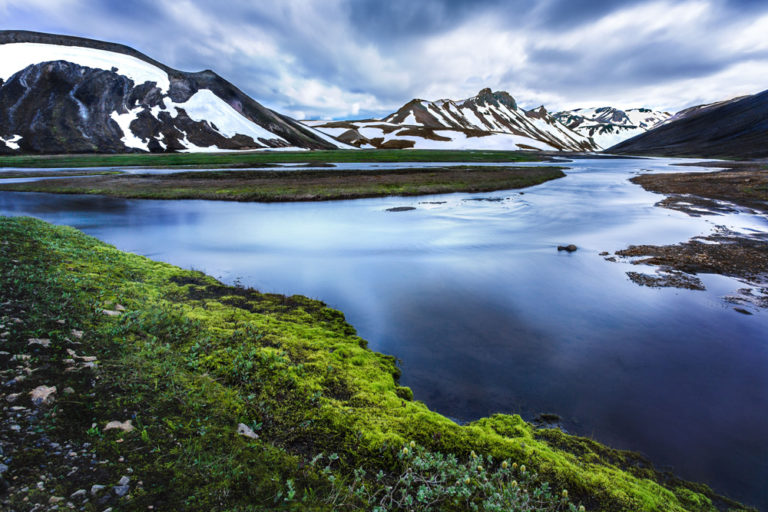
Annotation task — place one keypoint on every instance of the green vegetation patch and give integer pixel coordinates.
(216, 160)
(299, 185)
(189, 361)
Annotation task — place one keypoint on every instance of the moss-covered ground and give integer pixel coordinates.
(300, 185)
(187, 359)
(219, 160)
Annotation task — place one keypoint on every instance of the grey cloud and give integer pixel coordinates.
(334, 46)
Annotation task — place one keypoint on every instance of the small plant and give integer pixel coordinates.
(425, 480)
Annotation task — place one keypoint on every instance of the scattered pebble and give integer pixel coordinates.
(125, 426)
(44, 342)
(43, 395)
(246, 431)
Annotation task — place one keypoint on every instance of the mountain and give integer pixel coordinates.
(61, 94)
(608, 126)
(490, 120)
(736, 128)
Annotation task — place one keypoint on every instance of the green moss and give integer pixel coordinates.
(192, 358)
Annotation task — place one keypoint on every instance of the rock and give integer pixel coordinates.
(119, 307)
(125, 426)
(3, 469)
(43, 395)
(13, 397)
(88, 359)
(96, 489)
(54, 500)
(68, 391)
(245, 430)
(401, 209)
(43, 342)
(61, 322)
(77, 334)
(110, 312)
(742, 311)
(78, 494)
(121, 490)
(124, 480)
(568, 248)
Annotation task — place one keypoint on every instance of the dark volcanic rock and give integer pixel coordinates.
(736, 128)
(75, 116)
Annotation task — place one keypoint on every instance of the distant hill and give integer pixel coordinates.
(490, 120)
(736, 128)
(608, 126)
(61, 94)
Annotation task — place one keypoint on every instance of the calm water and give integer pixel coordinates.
(485, 314)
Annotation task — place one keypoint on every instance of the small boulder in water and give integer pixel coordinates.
(568, 248)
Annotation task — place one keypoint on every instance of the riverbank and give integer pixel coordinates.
(182, 363)
(723, 252)
(256, 158)
(298, 185)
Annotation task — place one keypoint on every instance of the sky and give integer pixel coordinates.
(342, 59)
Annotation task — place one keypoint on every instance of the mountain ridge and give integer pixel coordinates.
(608, 126)
(735, 128)
(485, 121)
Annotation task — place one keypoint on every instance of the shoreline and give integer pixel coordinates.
(722, 252)
(186, 359)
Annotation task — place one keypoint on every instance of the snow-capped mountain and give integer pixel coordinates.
(490, 120)
(61, 94)
(608, 126)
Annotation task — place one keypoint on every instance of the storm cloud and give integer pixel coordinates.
(364, 58)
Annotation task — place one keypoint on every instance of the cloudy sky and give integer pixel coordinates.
(337, 59)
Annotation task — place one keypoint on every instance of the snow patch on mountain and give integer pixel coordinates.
(13, 142)
(124, 122)
(17, 56)
(206, 106)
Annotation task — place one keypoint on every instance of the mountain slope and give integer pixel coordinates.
(490, 120)
(736, 128)
(608, 126)
(61, 94)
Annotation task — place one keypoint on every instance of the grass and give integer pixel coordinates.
(192, 358)
(217, 160)
(303, 185)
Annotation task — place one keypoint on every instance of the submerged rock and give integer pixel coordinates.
(568, 248)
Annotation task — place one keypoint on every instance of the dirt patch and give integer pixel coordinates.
(667, 280)
(746, 186)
